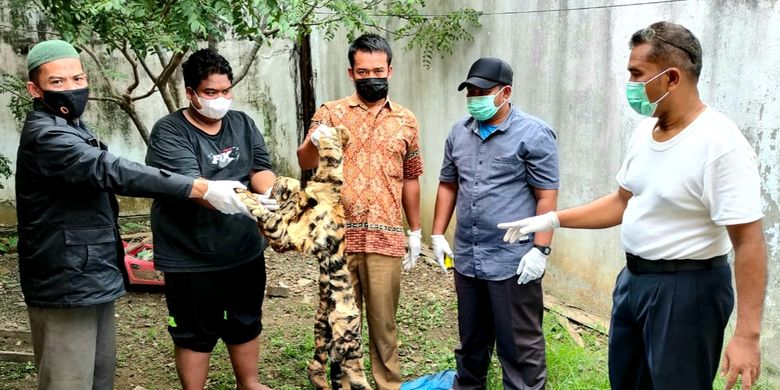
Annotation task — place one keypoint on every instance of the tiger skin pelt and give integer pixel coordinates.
(310, 220)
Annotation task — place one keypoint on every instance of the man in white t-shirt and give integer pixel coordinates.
(689, 191)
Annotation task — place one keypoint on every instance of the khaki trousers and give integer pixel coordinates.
(376, 280)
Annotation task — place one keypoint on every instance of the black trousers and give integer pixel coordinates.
(667, 329)
(509, 316)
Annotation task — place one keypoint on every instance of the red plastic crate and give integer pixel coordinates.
(140, 271)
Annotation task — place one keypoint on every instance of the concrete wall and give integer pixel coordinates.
(570, 71)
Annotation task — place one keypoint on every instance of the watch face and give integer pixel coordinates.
(544, 249)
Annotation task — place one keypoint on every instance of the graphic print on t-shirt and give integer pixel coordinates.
(225, 156)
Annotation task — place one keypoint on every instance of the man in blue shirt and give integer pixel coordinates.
(497, 161)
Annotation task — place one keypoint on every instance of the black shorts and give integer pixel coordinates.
(206, 306)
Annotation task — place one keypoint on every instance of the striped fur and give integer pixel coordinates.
(311, 220)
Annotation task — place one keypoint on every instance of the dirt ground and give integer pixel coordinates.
(145, 358)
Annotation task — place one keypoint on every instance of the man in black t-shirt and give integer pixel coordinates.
(213, 263)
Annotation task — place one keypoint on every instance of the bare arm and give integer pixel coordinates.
(546, 201)
(446, 196)
(601, 213)
(743, 355)
(410, 200)
(261, 181)
(199, 188)
(750, 270)
(308, 155)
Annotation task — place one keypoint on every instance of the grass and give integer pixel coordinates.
(427, 337)
(14, 371)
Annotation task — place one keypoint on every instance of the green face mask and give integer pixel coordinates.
(637, 96)
(482, 108)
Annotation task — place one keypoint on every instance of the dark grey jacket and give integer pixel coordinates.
(69, 245)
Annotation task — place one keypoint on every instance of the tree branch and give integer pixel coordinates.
(258, 43)
(164, 60)
(248, 64)
(101, 69)
(4, 89)
(134, 64)
(172, 64)
(160, 80)
(105, 99)
(144, 96)
(144, 65)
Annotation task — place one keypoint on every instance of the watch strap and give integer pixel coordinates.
(544, 249)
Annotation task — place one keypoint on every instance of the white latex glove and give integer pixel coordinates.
(265, 200)
(519, 230)
(222, 195)
(319, 132)
(531, 266)
(440, 248)
(415, 246)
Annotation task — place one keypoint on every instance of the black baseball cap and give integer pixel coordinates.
(488, 72)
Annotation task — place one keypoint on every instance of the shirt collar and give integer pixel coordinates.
(354, 101)
(473, 125)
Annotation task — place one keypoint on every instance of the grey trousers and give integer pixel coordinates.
(509, 316)
(75, 348)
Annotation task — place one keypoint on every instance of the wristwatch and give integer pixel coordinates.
(544, 249)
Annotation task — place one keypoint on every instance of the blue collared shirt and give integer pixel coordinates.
(496, 177)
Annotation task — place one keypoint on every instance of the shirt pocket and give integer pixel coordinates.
(90, 248)
(506, 169)
(392, 158)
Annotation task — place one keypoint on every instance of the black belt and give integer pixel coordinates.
(639, 265)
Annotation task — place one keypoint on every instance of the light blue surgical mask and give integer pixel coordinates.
(637, 96)
(483, 108)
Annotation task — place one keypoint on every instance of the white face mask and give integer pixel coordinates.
(213, 108)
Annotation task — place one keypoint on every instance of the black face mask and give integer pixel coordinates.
(67, 104)
(372, 89)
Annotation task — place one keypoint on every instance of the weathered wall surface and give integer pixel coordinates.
(570, 71)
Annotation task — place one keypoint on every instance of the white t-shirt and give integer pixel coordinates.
(687, 189)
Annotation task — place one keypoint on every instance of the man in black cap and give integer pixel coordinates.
(498, 161)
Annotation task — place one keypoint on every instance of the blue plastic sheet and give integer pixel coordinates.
(438, 381)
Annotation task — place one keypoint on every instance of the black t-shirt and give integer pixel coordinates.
(187, 236)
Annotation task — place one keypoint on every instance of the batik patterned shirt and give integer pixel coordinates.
(383, 150)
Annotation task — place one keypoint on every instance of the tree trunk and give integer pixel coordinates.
(170, 103)
(129, 108)
(307, 99)
(213, 43)
(174, 82)
(306, 79)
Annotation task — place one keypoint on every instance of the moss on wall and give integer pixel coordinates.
(275, 133)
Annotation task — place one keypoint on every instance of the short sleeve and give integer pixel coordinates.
(261, 160)
(541, 159)
(169, 149)
(413, 163)
(732, 188)
(640, 130)
(449, 172)
(320, 117)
